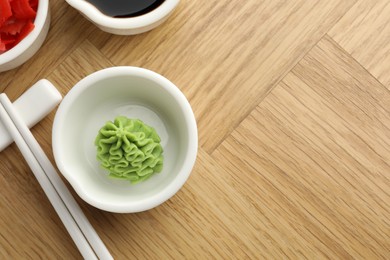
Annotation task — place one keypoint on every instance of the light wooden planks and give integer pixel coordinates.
(304, 175)
(83, 61)
(229, 52)
(364, 32)
(314, 158)
(30, 228)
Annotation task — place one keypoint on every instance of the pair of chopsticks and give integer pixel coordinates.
(80, 229)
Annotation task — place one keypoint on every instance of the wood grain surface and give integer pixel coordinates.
(292, 104)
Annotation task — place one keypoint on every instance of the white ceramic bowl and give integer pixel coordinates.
(25, 49)
(125, 26)
(135, 93)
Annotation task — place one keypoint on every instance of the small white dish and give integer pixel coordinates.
(26, 48)
(125, 26)
(135, 93)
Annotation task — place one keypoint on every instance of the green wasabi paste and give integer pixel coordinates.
(129, 149)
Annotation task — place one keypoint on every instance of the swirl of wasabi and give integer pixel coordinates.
(129, 149)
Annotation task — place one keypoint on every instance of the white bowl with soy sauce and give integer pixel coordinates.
(125, 17)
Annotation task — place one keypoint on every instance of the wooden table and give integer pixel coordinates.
(293, 107)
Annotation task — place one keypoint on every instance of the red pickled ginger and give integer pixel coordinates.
(16, 21)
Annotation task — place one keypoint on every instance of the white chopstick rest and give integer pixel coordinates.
(78, 226)
(32, 106)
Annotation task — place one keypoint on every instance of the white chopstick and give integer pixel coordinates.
(83, 234)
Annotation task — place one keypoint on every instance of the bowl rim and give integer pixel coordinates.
(184, 172)
(92, 13)
(28, 41)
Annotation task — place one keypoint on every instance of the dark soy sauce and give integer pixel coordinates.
(125, 8)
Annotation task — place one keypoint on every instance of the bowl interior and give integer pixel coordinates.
(132, 96)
